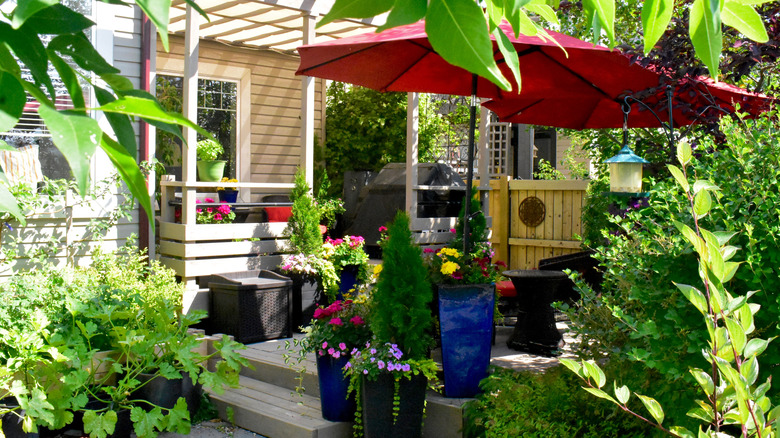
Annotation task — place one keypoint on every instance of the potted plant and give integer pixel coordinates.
(329, 206)
(390, 376)
(466, 303)
(336, 333)
(350, 260)
(210, 167)
(228, 193)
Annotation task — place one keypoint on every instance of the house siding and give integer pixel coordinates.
(275, 116)
(67, 221)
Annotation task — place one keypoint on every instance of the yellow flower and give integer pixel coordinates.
(328, 249)
(447, 268)
(377, 269)
(450, 252)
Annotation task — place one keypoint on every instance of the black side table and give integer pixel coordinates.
(535, 330)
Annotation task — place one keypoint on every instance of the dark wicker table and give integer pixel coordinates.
(535, 330)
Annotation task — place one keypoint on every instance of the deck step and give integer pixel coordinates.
(276, 412)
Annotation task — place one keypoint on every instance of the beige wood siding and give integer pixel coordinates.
(275, 116)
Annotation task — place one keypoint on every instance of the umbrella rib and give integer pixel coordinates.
(520, 111)
(339, 58)
(409, 67)
(578, 76)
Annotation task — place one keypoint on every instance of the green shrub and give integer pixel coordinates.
(550, 404)
(639, 315)
(303, 226)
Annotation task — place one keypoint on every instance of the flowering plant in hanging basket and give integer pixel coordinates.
(451, 266)
(347, 251)
(314, 266)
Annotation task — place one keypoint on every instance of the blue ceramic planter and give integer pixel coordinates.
(466, 324)
(228, 195)
(336, 406)
(349, 280)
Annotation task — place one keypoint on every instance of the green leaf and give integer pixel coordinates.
(510, 55)
(755, 346)
(543, 11)
(123, 128)
(158, 11)
(9, 204)
(58, 20)
(622, 393)
(145, 423)
(749, 370)
(356, 9)
(457, 31)
(595, 373)
(695, 297)
(706, 34)
(405, 12)
(702, 202)
(653, 407)
(27, 8)
(704, 380)
(745, 316)
(605, 11)
(679, 177)
(27, 46)
(76, 136)
(745, 19)
(698, 243)
(655, 18)
(37, 406)
(495, 11)
(12, 101)
(684, 153)
(99, 425)
(179, 418)
(573, 365)
(83, 53)
(70, 80)
(600, 394)
(131, 174)
(682, 432)
(700, 185)
(8, 62)
(736, 334)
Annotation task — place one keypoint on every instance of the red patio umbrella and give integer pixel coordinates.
(402, 59)
(691, 99)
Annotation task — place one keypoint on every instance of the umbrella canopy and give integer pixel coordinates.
(691, 99)
(402, 59)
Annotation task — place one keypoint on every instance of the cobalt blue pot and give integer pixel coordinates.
(228, 195)
(466, 325)
(349, 280)
(336, 405)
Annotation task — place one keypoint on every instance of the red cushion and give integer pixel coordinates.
(278, 214)
(506, 288)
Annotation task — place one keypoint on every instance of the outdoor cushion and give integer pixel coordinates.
(506, 288)
(22, 165)
(278, 214)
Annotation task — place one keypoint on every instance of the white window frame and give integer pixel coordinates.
(243, 77)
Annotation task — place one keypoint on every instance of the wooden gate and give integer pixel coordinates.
(534, 220)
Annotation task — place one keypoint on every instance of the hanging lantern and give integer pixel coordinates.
(625, 171)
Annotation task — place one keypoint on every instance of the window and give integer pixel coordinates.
(30, 135)
(217, 108)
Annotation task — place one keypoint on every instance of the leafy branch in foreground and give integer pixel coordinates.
(734, 403)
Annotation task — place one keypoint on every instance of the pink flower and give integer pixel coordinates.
(382, 229)
(429, 250)
(199, 210)
(209, 210)
(453, 230)
(357, 320)
(197, 201)
(336, 355)
(318, 313)
(342, 346)
(324, 345)
(217, 217)
(457, 276)
(224, 209)
(331, 351)
(209, 200)
(336, 321)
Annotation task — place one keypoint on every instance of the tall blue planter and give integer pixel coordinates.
(336, 406)
(466, 324)
(349, 279)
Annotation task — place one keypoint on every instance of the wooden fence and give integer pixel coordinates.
(534, 220)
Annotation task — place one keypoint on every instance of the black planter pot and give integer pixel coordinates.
(304, 299)
(12, 421)
(166, 392)
(377, 400)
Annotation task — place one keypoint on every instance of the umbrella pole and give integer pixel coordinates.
(470, 169)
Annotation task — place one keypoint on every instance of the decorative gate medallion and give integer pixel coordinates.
(532, 211)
